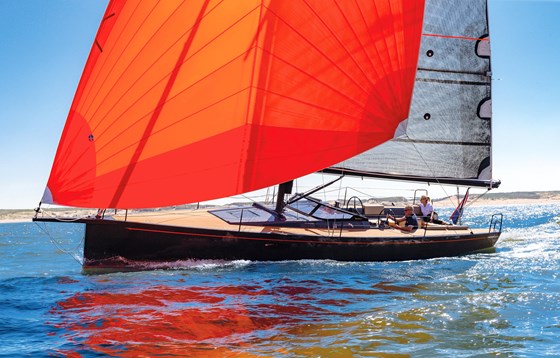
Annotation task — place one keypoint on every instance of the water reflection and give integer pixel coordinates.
(450, 307)
(162, 319)
(216, 321)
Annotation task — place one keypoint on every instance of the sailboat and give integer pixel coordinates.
(188, 101)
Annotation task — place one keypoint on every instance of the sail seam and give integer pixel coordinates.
(161, 103)
(420, 141)
(86, 106)
(139, 78)
(467, 38)
(338, 40)
(452, 71)
(473, 83)
(320, 51)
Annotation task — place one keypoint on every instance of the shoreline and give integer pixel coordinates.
(500, 202)
(25, 215)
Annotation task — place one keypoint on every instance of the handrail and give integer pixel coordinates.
(496, 220)
(416, 190)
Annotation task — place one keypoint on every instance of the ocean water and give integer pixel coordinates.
(505, 303)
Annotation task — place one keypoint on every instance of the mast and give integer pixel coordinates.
(283, 189)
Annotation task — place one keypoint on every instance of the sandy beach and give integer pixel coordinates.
(501, 202)
(26, 215)
(497, 199)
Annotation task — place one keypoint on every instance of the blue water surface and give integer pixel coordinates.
(494, 304)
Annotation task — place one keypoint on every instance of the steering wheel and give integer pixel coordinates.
(355, 199)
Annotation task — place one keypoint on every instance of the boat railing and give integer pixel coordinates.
(496, 222)
(416, 195)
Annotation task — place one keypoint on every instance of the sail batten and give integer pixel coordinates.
(447, 136)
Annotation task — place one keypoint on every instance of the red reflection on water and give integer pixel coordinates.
(167, 320)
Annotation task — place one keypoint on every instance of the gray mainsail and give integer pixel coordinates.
(447, 137)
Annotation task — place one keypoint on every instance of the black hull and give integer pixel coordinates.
(114, 244)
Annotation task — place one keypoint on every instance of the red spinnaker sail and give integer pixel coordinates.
(185, 101)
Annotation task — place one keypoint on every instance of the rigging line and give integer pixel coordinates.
(428, 166)
(69, 220)
(339, 190)
(249, 198)
(478, 197)
(74, 254)
(364, 193)
(324, 188)
(252, 197)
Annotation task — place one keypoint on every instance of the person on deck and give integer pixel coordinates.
(426, 208)
(428, 213)
(410, 219)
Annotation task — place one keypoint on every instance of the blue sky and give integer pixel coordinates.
(44, 45)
